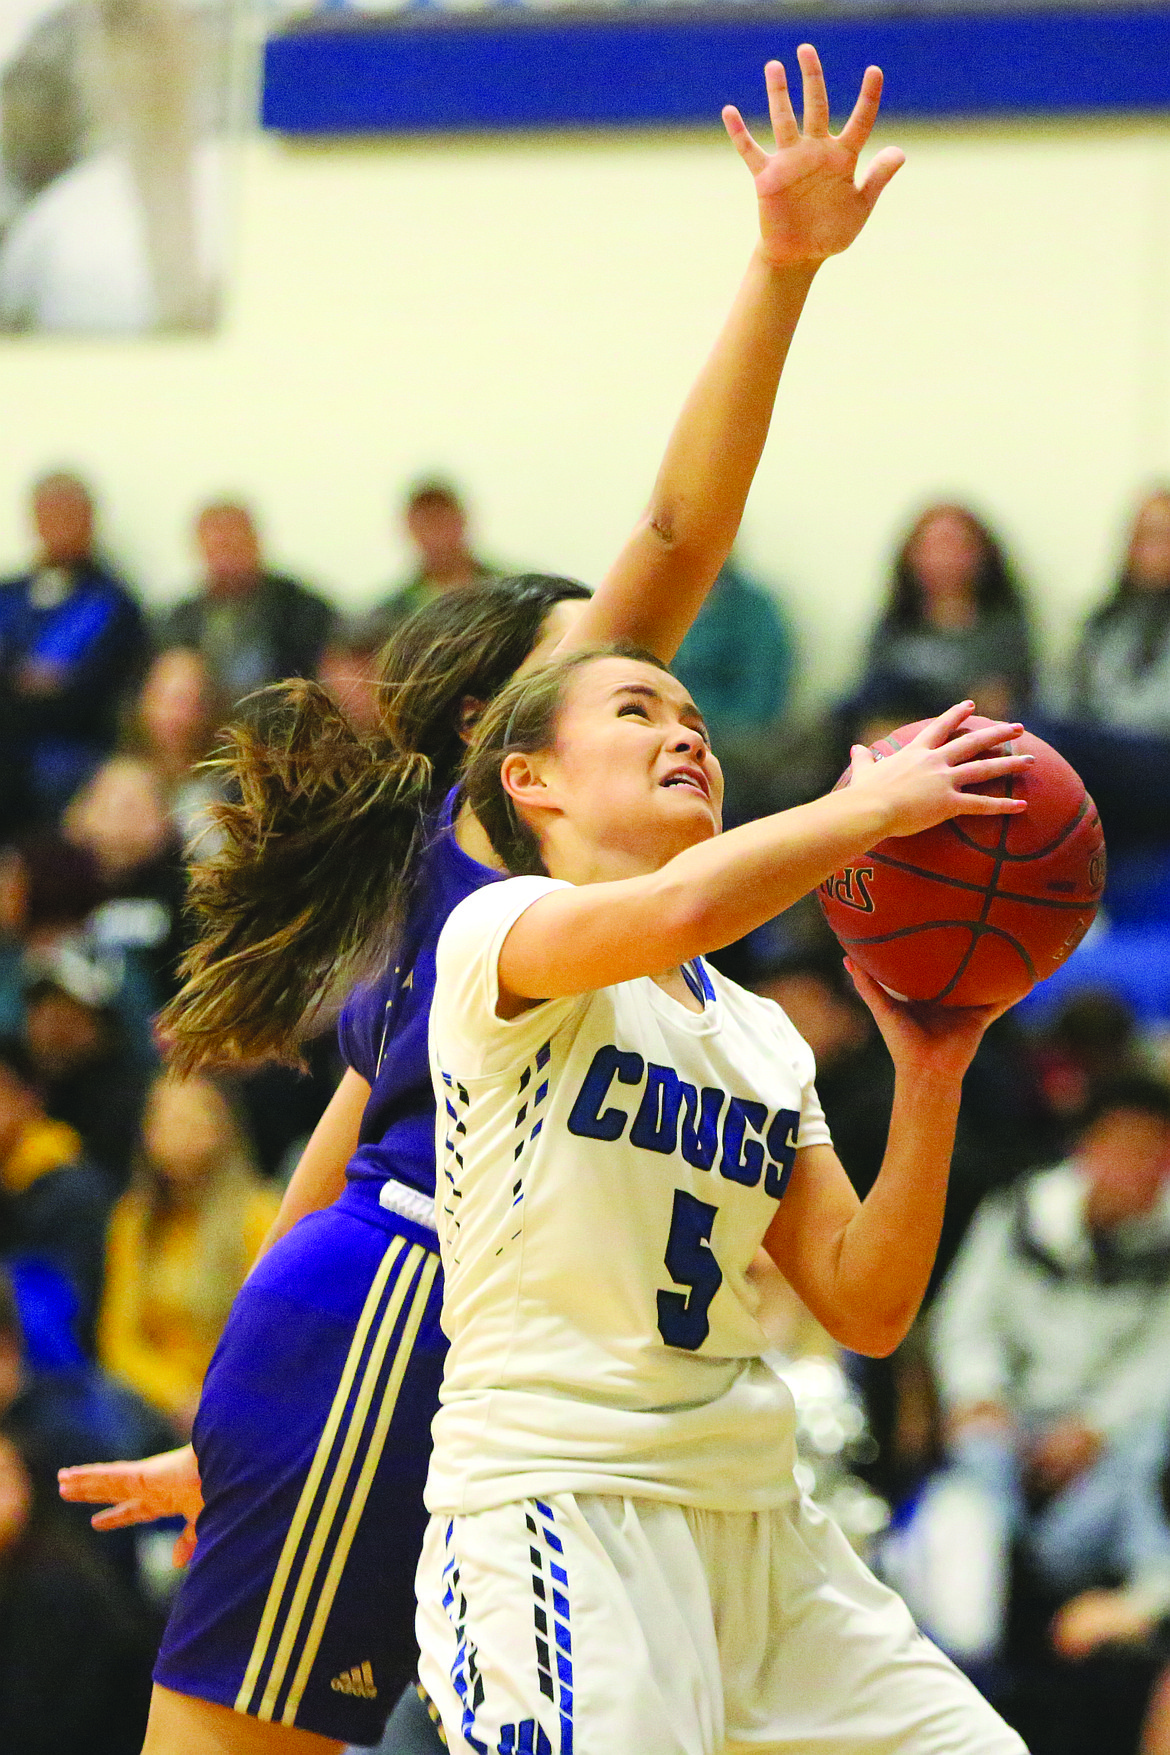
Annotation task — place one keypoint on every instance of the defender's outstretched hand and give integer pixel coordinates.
(811, 205)
(160, 1486)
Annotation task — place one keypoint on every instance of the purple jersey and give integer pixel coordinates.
(384, 1023)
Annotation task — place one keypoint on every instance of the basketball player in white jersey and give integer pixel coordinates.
(619, 1560)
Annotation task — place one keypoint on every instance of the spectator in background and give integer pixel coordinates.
(350, 671)
(48, 889)
(954, 622)
(72, 645)
(737, 664)
(1114, 720)
(120, 818)
(53, 1202)
(74, 1656)
(180, 1244)
(76, 1042)
(174, 730)
(251, 625)
(437, 526)
(1091, 1041)
(1121, 670)
(65, 1410)
(1051, 1345)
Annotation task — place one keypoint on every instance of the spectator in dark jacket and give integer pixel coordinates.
(87, 1073)
(1121, 670)
(74, 1657)
(436, 524)
(954, 622)
(252, 626)
(72, 646)
(54, 1204)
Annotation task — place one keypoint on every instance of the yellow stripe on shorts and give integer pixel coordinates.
(361, 1492)
(316, 1475)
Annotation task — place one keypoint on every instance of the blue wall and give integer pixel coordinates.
(506, 68)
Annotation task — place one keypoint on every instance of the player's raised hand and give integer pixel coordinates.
(811, 204)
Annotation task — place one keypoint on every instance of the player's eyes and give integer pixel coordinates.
(634, 707)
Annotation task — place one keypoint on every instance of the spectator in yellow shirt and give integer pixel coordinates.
(180, 1242)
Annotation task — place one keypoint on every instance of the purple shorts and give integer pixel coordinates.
(313, 1437)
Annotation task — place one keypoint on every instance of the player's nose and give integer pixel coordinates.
(689, 742)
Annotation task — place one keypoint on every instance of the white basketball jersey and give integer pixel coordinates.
(608, 1165)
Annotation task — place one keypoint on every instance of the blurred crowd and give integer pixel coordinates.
(1017, 1447)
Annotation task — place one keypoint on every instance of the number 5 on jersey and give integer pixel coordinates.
(682, 1316)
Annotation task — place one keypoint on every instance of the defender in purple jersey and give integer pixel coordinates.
(383, 1026)
(294, 1625)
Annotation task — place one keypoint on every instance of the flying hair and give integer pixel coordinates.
(322, 828)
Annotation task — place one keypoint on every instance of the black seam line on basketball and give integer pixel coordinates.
(979, 927)
(1033, 853)
(988, 899)
(956, 883)
(1011, 858)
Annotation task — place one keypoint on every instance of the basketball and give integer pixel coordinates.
(976, 910)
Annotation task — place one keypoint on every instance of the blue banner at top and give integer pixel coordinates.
(508, 66)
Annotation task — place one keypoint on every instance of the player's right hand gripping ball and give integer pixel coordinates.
(977, 910)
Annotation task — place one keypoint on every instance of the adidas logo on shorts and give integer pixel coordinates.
(359, 1681)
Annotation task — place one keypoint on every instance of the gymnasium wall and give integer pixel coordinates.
(528, 313)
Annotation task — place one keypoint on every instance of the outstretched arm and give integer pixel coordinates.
(810, 207)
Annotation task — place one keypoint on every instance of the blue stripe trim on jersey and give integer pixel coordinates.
(694, 976)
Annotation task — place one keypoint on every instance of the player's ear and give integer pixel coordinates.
(522, 777)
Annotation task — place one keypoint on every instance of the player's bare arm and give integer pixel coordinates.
(138, 1492)
(811, 206)
(319, 1177)
(862, 1267)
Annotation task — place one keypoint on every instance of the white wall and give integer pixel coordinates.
(528, 314)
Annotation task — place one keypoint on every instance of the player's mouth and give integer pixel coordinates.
(692, 779)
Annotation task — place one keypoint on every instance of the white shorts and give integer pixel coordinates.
(586, 1624)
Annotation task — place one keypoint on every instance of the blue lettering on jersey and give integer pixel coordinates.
(743, 1159)
(700, 1140)
(655, 1126)
(666, 1100)
(587, 1118)
(782, 1138)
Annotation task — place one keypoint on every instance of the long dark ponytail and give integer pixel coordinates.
(322, 828)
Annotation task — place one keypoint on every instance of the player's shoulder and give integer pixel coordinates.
(478, 924)
(762, 1016)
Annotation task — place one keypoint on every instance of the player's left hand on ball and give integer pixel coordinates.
(811, 204)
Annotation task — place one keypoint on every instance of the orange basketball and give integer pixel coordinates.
(978, 909)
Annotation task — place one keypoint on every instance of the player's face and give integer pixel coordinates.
(631, 769)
